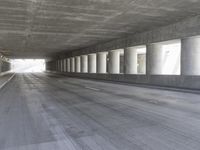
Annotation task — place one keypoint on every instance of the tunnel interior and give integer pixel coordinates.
(99, 74)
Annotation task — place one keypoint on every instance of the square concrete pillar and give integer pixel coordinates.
(102, 62)
(114, 62)
(190, 56)
(68, 65)
(92, 63)
(72, 64)
(77, 64)
(84, 63)
(154, 59)
(130, 60)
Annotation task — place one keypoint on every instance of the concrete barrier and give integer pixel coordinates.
(174, 81)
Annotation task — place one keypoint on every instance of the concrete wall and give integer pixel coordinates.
(4, 65)
(175, 81)
(180, 30)
(50, 65)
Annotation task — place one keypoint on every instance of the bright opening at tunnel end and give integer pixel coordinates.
(27, 65)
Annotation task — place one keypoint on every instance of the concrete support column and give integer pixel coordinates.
(84, 63)
(68, 65)
(72, 64)
(130, 60)
(65, 65)
(190, 56)
(92, 63)
(0, 65)
(56, 65)
(154, 59)
(114, 62)
(61, 65)
(78, 64)
(101, 62)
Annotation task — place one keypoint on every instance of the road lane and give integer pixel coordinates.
(48, 112)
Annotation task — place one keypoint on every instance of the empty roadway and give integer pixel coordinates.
(53, 112)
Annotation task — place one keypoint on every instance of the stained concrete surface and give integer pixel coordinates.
(65, 25)
(48, 112)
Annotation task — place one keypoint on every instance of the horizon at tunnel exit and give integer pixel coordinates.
(27, 65)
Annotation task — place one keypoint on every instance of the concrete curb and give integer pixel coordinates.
(1, 86)
(4, 73)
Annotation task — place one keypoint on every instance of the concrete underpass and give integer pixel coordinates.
(99, 75)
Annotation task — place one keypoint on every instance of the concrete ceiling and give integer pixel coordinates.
(40, 28)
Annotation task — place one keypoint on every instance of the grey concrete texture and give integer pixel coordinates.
(41, 28)
(174, 81)
(52, 112)
(186, 28)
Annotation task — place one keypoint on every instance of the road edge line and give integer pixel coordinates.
(1, 86)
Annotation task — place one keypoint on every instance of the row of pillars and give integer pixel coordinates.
(92, 63)
(97, 63)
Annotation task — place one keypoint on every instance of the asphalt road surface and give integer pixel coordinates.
(53, 112)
